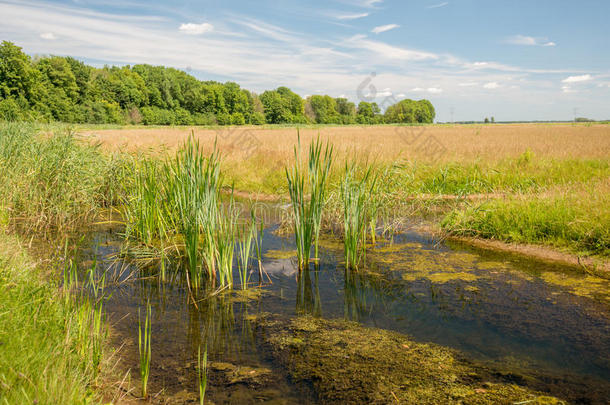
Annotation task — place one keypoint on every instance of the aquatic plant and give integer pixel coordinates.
(144, 348)
(193, 184)
(357, 215)
(202, 373)
(307, 210)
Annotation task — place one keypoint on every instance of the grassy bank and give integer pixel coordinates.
(51, 332)
(49, 343)
(576, 219)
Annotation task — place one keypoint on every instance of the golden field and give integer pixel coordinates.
(439, 143)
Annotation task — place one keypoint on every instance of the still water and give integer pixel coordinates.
(524, 318)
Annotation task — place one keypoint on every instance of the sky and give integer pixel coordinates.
(510, 59)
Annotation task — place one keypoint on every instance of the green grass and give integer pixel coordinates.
(202, 373)
(50, 339)
(576, 220)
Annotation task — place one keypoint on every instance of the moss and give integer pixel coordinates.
(347, 363)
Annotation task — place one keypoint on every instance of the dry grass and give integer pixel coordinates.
(385, 143)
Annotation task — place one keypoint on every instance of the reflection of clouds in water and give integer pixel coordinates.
(281, 267)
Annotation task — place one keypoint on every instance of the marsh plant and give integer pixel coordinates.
(307, 189)
(144, 348)
(358, 215)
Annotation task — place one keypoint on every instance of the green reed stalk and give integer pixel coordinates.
(202, 373)
(307, 213)
(247, 236)
(144, 348)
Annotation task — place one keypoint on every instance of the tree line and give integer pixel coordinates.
(56, 88)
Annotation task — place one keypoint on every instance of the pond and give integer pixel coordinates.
(532, 321)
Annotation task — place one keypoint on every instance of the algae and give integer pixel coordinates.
(350, 364)
(583, 286)
(280, 254)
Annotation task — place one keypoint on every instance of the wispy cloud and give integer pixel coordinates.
(196, 29)
(577, 79)
(354, 16)
(491, 85)
(439, 5)
(387, 51)
(384, 28)
(529, 41)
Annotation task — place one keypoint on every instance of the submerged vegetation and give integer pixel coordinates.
(377, 366)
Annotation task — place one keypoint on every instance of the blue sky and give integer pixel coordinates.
(512, 59)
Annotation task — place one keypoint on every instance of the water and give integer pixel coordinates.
(519, 316)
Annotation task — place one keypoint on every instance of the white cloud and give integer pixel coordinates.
(529, 41)
(468, 84)
(401, 95)
(491, 85)
(577, 79)
(418, 89)
(49, 36)
(439, 5)
(196, 29)
(352, 16)
(567, 89)
(384, 28)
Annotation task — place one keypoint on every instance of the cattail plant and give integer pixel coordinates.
(307, 212)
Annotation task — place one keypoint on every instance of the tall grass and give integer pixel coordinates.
(144, 348)
(53, 182)
(307, 209)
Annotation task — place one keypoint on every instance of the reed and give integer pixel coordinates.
(202, 373)
(357, 214)
(307, 209)
(245, 248)
(144, 348)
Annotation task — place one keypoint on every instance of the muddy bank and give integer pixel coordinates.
(350, 364)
